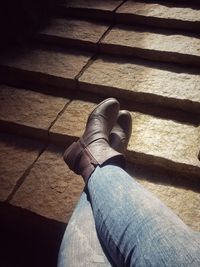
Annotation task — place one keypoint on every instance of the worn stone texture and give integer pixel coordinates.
(50, 189)
(163, 141)
(92, 4)
(144, 82)
(185, 202)
(55, 62)
(72, 122)
(160, 10)
(16, 156)
(155, 40)
(162, 138)
(29, 108)
(75, 29)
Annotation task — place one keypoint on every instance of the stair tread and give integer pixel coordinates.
(17, 155)
(38, 111)
(149, 137)
(154, 40)
(75, 29)
(27, 108)
(50, 189)
(164, 10)
(144, 82)
(51, 62)
(54, 191)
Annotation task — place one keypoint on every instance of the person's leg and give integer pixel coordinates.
(80, 245)
(136, 228)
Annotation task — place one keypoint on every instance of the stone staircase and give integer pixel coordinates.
(144, 53)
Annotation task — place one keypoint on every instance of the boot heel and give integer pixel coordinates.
(70, 155)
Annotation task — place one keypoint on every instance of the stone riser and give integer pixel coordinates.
(140, 97)
(132, 156)
(13, 76)
(67, 42)
(175, 24)
(61, 121)
(164, 149)
(120, 50)
(94, 14)
(154, 55)
(119, 16)
(111, 42)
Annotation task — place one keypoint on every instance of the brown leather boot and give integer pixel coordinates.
(121, 132)
(93, 148)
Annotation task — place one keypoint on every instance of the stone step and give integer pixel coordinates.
(58, 120)
(50, 189)
(142, 81)
(82, 34)
(158, 45)
(154, 141)
(160, 14)
(28, 113)
(17, 155)
(90, 9)
(136, 80)
(48, 66)
(53, 192)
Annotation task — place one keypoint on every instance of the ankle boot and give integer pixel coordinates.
(93, 148)
(121, 132)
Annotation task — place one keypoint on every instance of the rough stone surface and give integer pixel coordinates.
(183, 201)
(161, 11)
(50, 189)
(72, 122)
(161, 138)
(29, 108)
(163, 45)
(75, 29)
(144, 82)
(46, 64)
(16, 156)
(92, 4)
(148, 140)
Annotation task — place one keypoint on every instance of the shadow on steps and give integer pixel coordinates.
(19, 19)
(28, 239)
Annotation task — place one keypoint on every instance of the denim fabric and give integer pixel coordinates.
(135, 227)
(80, 245)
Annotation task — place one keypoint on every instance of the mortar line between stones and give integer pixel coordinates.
(21, 180)
(93, 57)
(103, 35)
(119, 5)
(58, 116)
(86, 66)
(110, 27)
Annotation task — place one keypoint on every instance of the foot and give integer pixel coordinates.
(121, 132)
(93, 148)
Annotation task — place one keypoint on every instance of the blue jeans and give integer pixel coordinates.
(117, 222)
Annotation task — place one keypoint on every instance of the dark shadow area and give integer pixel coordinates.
(20, 18)
(28, 239)
(163, 176)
